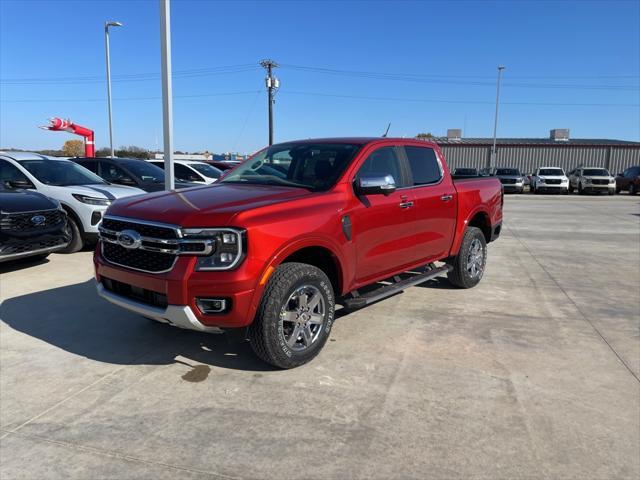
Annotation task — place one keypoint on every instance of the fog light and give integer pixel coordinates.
(212, 305)
(228, 238)
(226, 257)
(95, 218)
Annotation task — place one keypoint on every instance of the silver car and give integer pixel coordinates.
(591, 180)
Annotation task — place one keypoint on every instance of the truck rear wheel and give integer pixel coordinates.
(295, 316)
(468, 265)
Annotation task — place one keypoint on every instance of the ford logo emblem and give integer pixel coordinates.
(129, 239)
(38, 219)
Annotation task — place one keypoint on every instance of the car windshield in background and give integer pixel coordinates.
(144, 170)
(551, 172)
(508, 171)
(61, 173)
(595, 172)
(206, 170)
(305, 165)
(465, 171)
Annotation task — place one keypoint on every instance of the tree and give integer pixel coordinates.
(73, 148)
(424, 136)
(132, 152)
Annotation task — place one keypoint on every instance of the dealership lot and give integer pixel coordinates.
(532, 374)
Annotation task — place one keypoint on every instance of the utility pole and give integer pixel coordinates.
(106, 47)
(272, 85)
(167, 93)
(492, 161)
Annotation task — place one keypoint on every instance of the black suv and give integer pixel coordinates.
(31, 225)
(133, 172)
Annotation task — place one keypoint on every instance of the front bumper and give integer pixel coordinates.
(512, 187)
(181, 286)
(180, 316)
(545, 187)
(598, 188)
(15, 247)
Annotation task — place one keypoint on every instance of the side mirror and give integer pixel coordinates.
(375, 185)
(19, 184)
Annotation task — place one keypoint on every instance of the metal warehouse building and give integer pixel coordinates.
(529, 153)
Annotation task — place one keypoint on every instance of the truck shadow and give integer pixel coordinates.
(75, 319)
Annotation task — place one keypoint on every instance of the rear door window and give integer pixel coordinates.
(424, 165)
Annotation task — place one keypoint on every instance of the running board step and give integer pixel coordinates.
(388, 290)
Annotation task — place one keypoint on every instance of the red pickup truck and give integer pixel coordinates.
(267, 252)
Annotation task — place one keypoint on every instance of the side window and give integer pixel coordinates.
(113, 173)
(383, 161)
(424, 165)
(184, 173)
(11, 173)
(159, 164)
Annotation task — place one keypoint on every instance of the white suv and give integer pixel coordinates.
(549, 179)
(592, 179)
(83, 194)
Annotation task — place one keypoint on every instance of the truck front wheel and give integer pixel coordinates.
(295, 316)
(468, 265)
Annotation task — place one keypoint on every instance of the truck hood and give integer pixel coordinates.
(12, 201)
(207, 206)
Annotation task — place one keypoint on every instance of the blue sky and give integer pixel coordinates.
(348, 68)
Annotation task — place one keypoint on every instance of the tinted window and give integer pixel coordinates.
(10, 173)
(381, 162)
(144, 170)
(60, 172)
(424, 165)
(595, 172)
(206, 170)
(551, 172)
(508, 171)
(185, 173)
(113, 173)
(466, 171)
(316, 166)
(90, 165)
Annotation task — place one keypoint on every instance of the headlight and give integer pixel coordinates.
(541, 180)
(229, 250)
(565, 180)
(612, 180)
(91, 200)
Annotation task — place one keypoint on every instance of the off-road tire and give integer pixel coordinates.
(266, 335)
(459, 276)
(76, 242)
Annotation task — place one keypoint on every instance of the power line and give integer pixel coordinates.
(334, 95)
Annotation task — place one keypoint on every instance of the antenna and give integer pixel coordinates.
(387, 131)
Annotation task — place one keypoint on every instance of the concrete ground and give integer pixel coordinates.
(533, 374)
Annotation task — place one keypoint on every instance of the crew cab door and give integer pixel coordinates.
(435, 204)
(381, 224)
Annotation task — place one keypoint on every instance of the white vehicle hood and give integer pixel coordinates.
(552, 177)
(105, 191)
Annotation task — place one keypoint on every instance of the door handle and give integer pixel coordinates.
(406, 204)
(446, 198)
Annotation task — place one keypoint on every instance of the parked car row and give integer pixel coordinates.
(555, 180)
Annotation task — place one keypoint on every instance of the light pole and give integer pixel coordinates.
(272, 85)
(167, 93)
(106, 43)
(492, 161)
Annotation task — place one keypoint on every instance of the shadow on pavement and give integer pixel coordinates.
(13, 265)
(75, 319)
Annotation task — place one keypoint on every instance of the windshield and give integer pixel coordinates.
(61, 173)
(465, 171)
(306, 165)
(596, 172)
(144, 170)
(508, 171)
(551, 172)
(206, 170)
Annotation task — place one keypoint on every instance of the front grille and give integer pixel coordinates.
(156, 231)
(145, 260)
(142, 295)
(23, 222)
(25, 247)
(553, 181)
(508, 181)
(597, 181)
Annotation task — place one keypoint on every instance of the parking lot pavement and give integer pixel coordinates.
(533, 374)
